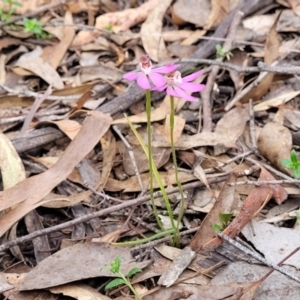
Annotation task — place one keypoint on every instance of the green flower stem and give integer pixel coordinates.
(149, 135)
(146, 240)
(158, 179)
(181, 211)
(127, 282)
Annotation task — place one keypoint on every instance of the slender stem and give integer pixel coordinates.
(181, 211)
(158, 179)
(146, 240)
(127, 282)
(150, 158)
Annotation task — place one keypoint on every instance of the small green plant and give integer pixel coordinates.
(292, 163)
(225, 220)
(223, 54)
(5, 16)
(35, 26)
(115, 267)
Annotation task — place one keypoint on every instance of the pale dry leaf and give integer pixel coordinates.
(12, 169)
(275, 143)
(179, 123)
(43, 69)
(151, 29)
(276, 101)
(123, 20)
(231, 125)
(78, 291)
(193, 11)
(72, 264)
(93, 127)
(261, 24)
(59, 201)
(219, 11)
(179, 264)
(266, 242)
(69, 127)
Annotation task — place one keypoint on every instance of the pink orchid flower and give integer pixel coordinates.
(180, 87)
(148, 78)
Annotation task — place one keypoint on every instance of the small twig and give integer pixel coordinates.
(102, 195)
(259, 183)
(131, 154)
(252, 126)
(257, 256)
(28, 93)
(6, 120)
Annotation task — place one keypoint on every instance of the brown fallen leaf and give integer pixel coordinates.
(132, 185)
(232, 125)
(109, 147)
(41, 68)
(219, 11)
(275, 143)
(257, 199)
(54, 54)
(271, 54)
(224, 204)
(153, 44)
(72, 264)
(36, 187)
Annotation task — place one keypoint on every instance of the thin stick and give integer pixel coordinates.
(258, 183)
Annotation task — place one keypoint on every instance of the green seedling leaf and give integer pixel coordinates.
(286, 162)
(297, 173)
(133, 272)
(217, 227)
(114, 283)
(294, 158)
(225, 218)
(116, 265)
(16, 3)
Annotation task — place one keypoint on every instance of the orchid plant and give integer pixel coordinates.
(167, 79)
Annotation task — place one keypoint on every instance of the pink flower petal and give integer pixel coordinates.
(157, 79)
(143, 82)
(192, 76)
(165, 69)
(183, 94)
(131, 76)
(159, 88)
(192, 87)
(170, 91)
